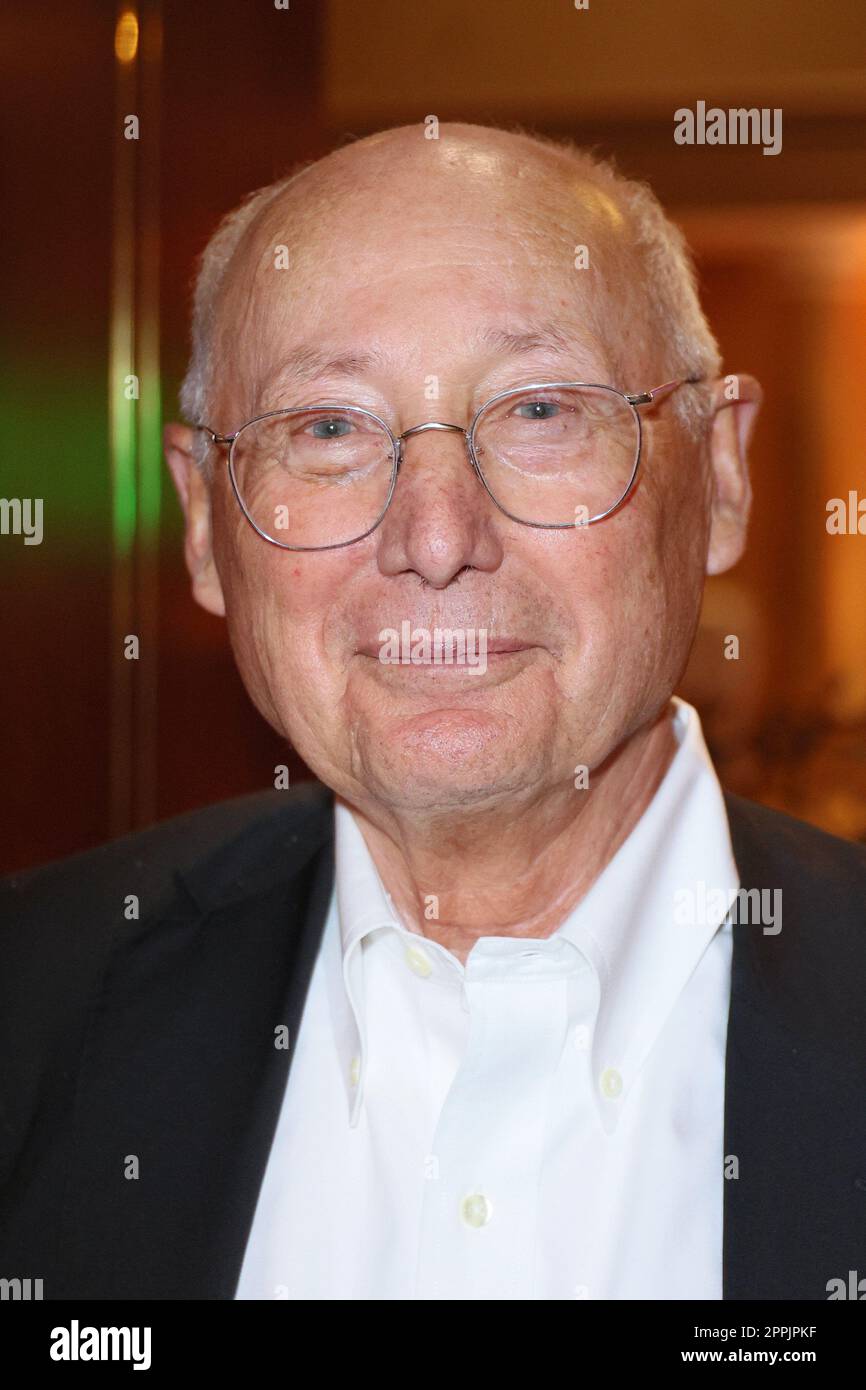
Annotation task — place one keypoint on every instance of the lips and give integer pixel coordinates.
(500, 646)
(496, 646)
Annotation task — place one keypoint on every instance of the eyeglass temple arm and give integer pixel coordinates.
(647, 397)
(214, 437)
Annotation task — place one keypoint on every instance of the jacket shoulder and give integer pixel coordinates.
(61, 923)
(153, 856)
(774, 839)
(811, 967)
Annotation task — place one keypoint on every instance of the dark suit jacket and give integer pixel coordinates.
(155, 1037)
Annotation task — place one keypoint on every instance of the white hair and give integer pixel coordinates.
(668, 273)
(197, 386)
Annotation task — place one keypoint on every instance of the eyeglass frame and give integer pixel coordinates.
(633, 399)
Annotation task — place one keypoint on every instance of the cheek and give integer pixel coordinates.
(259, 579)
(662, 586)
(631, 596)
(282, 612)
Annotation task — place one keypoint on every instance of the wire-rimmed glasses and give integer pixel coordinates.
(555, 455)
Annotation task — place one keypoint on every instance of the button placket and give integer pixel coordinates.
(479, 1219)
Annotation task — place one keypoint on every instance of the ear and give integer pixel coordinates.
(731, 431)
(194, 494)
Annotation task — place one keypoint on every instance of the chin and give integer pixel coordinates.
(444, 758)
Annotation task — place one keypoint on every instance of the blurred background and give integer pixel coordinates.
(101, 234)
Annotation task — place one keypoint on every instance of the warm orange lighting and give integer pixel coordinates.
(126, 37)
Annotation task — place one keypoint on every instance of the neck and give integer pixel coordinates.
(523, 874)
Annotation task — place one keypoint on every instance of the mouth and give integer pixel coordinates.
(417, 672)
(491, 646)
(506, 646)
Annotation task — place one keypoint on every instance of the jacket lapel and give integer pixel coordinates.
(182, 1080)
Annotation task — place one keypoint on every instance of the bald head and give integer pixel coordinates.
(618, 266)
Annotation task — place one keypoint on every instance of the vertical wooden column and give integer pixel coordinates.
(134, 414)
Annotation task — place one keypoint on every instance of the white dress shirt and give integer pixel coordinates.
(545, 1123)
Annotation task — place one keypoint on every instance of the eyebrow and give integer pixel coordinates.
(506, 341)
(305, 362)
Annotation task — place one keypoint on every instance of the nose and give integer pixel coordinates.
(440, 521)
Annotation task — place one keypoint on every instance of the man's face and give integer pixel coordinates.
(414, 265)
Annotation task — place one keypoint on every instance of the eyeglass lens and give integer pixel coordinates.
(549, 456)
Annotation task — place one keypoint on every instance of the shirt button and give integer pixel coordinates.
(611, 1083)
(355, 1071)
(418, 961)
(476, 1210)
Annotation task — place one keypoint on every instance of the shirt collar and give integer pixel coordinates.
(631, 924)
(362, 906)
(627, 925)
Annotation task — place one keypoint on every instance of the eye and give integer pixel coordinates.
(331, 428)
(538, 410)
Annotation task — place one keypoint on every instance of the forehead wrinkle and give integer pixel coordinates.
(304, 362)
(547, 239)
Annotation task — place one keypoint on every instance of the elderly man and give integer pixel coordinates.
(515, 1002)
